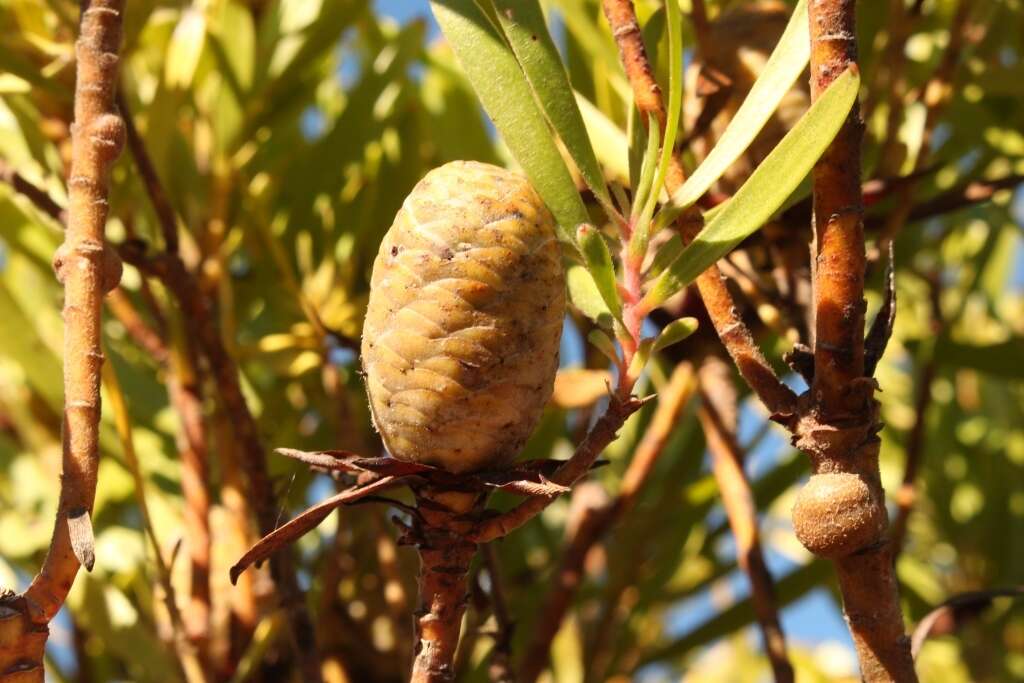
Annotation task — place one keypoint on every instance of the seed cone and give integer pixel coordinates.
(460, 344)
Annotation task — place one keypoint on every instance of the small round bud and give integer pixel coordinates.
(836, 514)
(60, 258)
(107, 135)
(112, 269)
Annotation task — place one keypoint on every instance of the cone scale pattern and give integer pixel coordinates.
(460, 344)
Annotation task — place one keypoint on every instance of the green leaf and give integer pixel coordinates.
(675, 332)
(603, 343)
(527, 33)
(610, 141)
(642, 228)
(643, 354)
(586, 297)
(784, 66)
(666, 255)
(506, 95)
(599, 263)
(766, 189)
(1001, 359)
(648, 166)
(185, 49)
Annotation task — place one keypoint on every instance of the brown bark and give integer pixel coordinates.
(186, 398)
(88, 270)
(840, 513)
(445, 556)
(839, 260)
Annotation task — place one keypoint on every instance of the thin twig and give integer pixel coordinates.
(906, 496)
(183, 389)
(501, 657)
(597, 523)
(186, 650)
(201, 326)
(39, 197)
(954, 199)
(602, 434)
(151, 179)
(87, 271)
(148, 339)
(936, 94)
(717, 415)
(185, 394)
(718, 301)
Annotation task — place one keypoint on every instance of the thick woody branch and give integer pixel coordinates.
(445, 555)
(840, 513)
(735, 335)
(85, 268)
(717, 416)
(839, 260)
(598, 522)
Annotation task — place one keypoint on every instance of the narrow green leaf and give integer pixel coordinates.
(603, 343)
(635, 135)
(640, 358)
(766, 189)
(506, 95)
(642, 229)
(784, 66)
(665, 256)
(599, 263)
(647, 166)
(675, 332)
(527, 33)
(585, 296)
(609, 140)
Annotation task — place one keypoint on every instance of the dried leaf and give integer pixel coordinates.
(955, 612)
(286, 534)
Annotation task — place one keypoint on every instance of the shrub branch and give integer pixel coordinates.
(718, 416)
(840, 513)
(88, 270)
(734, 333)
